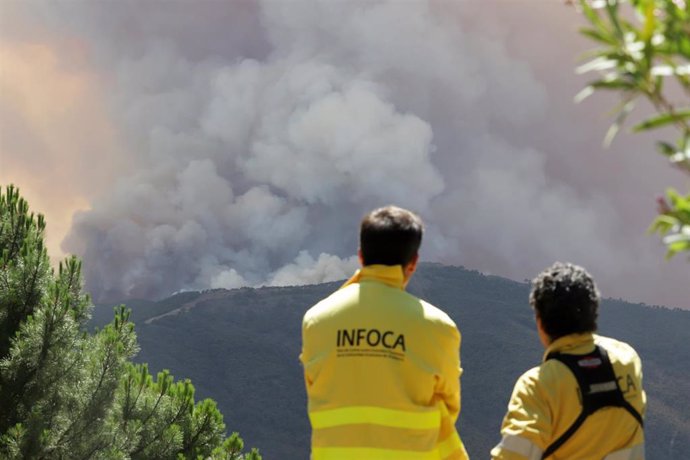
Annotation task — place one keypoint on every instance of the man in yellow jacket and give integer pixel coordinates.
(585, 401)
(381, 367)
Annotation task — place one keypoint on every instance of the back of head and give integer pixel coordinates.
(566, 300)
(390, 236)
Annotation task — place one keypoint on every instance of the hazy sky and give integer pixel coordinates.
(188, 145)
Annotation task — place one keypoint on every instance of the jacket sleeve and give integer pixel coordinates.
(306, 356)
(448, 391)
(448, 383)
(527, 424)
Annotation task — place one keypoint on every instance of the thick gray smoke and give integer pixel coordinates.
(257, 134)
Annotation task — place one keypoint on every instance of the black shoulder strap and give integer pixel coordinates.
(598, 388)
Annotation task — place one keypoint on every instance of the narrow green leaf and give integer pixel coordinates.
(666, 149)
(662, 225)
(597, 35)
(612, 11)
(592, 16)
(618, 122)
(684, 48)
(583, 94)
(612, 84)
(662, 120)
(599, 63)
(677, 243)
(673, 195)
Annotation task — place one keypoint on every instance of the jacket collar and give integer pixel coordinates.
(391, 275)
(568, 343)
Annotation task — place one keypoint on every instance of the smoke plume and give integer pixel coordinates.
(252, 136)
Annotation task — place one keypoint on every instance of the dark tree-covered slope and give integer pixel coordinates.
(241, 348)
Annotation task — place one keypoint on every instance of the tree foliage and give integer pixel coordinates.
(643, 53)
(67, 393)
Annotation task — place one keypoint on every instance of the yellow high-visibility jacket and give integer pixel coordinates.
(382, 373)
(546, 401)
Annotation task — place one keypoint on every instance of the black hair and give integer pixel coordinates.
(566, 300)
(390, 236)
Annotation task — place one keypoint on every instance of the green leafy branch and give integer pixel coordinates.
(643, 53)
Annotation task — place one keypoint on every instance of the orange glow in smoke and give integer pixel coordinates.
(56, 142)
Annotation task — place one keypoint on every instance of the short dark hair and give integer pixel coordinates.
(390, 236)
(566, 300)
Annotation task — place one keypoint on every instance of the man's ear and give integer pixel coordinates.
(361, 258)
(411, 266)
(543, 336)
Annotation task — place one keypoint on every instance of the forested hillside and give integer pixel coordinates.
(241, 348)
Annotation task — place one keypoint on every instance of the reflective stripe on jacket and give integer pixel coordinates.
(546, 401)
(382, 373)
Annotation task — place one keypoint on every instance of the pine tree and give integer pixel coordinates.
(68, 393)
